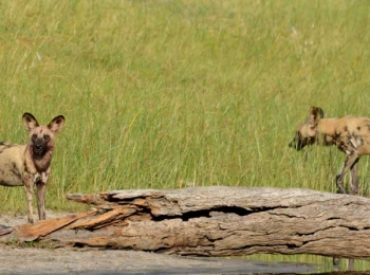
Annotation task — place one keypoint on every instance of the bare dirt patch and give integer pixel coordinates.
(59, 261)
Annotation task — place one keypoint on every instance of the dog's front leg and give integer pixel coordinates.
(41, 188)
(28, 186)
(354, 183)
(41, 200)
(351, 160)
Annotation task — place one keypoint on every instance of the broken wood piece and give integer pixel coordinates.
(102, 219)
(31, 232)
(4, 230)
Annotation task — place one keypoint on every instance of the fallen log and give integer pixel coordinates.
(216, 221)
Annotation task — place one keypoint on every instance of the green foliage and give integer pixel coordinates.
(160, 94)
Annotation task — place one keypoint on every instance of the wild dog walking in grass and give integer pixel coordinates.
(351, 135)
(29, 164)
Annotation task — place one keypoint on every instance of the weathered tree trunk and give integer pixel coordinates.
(216, 221)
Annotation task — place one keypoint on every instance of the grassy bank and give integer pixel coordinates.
(176, 93)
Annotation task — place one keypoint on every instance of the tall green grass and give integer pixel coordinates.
(162, 94)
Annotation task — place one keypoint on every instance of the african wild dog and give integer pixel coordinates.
(350, 134)
(29, 164)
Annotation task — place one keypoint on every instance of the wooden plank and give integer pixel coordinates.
(5, 230)
(100, 219)
(31, 232)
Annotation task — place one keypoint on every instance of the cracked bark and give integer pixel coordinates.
(216, 221)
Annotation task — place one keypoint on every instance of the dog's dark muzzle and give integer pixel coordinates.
(296, 144)
(39, 147)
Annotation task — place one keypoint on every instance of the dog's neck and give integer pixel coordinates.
(326, 131)
(42, 162)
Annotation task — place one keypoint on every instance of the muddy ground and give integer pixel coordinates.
(31, 260)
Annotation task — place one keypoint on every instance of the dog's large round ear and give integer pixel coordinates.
(29, 121)
(56, 124)
(315, 114)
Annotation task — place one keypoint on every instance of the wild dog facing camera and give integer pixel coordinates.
(28, 164)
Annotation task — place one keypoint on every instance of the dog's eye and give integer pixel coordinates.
(34, 136)
(46, 137)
